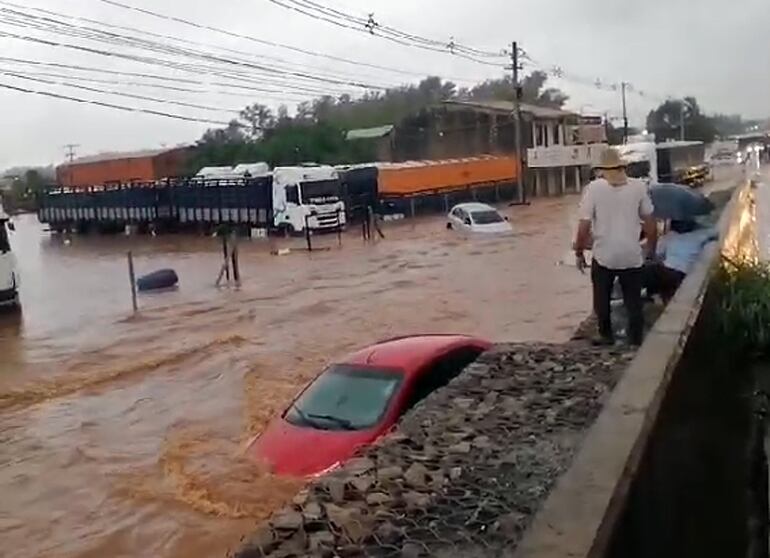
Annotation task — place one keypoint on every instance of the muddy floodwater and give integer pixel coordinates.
(123, 435)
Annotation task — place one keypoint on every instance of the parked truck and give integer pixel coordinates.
(287, 200)
(681, 162)
(428, 186)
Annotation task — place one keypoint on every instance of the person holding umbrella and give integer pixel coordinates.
(679, 248)
(613, 212)
(678, 251)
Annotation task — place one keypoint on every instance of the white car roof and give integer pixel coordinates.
(470, 207)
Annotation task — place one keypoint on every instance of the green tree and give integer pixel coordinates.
(533, 91)
(665, 121)
(256, 118)
(316, 132)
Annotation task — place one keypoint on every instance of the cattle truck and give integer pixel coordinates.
(286, 199)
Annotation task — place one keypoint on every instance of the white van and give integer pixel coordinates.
(9, 277)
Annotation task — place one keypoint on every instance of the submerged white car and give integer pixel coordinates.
(477, 217)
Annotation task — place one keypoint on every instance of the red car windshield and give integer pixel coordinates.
(345, 397)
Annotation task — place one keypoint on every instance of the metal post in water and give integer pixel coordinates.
(132, 279)
(236, 263)
(225, 257)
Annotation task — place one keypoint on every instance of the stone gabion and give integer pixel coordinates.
(465, 471)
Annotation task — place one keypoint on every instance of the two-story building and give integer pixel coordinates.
(559, 146)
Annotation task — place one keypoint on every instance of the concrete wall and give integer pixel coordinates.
(666, 468)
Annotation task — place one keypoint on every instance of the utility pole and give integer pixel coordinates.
(70, 154)
(681, 119)
(70, 151)
(623, 87)
(520, 183)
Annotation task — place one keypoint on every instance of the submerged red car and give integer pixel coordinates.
(352, 403)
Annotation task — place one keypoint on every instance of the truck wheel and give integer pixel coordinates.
(287, 230)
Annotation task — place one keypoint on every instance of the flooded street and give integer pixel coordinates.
(122, 436)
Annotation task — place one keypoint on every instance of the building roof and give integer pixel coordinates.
(507, 107)
(369, 133)
(121, 155)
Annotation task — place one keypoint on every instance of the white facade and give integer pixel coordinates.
(565, 155)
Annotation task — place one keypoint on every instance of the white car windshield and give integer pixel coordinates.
(487, 217)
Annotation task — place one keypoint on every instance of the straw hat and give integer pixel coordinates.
(611, 160)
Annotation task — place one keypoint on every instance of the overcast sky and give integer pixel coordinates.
(715, 50)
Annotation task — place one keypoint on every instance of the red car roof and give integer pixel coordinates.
(412, 352)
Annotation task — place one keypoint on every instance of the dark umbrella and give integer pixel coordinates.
(679, 203)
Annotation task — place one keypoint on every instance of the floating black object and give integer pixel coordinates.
(161, 279)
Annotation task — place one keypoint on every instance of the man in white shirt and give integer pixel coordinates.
(613, 212)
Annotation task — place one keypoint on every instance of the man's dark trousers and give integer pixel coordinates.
(603, 280)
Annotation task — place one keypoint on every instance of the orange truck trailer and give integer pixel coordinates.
(427, 186)
(423, 177)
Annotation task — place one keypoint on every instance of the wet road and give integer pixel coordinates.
(122, 436)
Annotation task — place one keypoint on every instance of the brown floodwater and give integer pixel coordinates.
(123, 435)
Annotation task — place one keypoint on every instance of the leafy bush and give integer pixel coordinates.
(743, 290)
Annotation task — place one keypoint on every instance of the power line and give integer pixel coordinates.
(371, 27)
(250, 38)
(267, 93)
(110, 105)
(243, 83)
(119, 93)
(370, 24)
(26, 16)
(230, 63)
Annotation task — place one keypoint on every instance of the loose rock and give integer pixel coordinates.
(417, 475)
(288, 520)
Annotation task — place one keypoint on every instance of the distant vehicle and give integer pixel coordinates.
(477, 218)
(723, 153)
(287, 200)
(244, 170)
(681, 162)
(356, 401)
(9, 277)
(723, 159)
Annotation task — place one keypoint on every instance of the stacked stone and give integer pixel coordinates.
(466, 470)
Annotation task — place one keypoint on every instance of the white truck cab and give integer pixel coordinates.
(671, 161)
(9, 277)
(307, 195)
(642, 159)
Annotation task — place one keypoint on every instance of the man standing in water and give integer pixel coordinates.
(613, 211)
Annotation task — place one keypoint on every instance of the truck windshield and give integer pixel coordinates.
(639, 169)
(345, 397)
(5, 246)
(321, 191)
